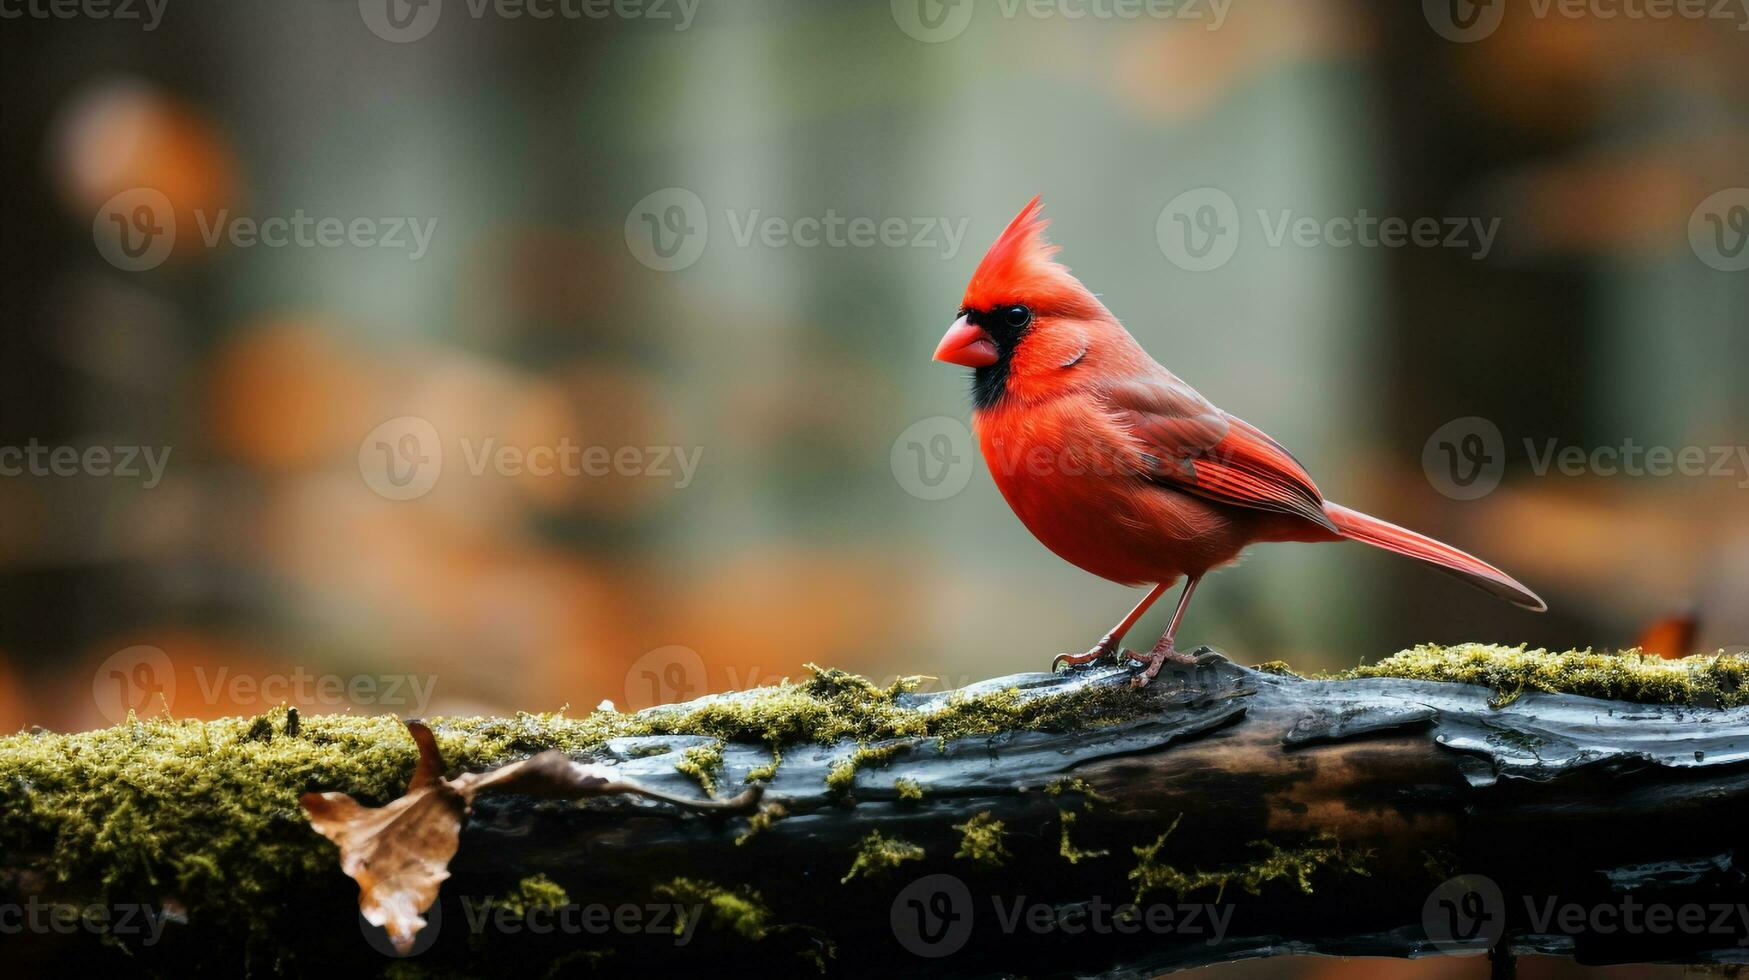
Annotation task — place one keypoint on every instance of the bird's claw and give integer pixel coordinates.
(1152, 662)
(1101, 651)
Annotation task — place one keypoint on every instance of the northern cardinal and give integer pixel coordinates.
(1119, 467)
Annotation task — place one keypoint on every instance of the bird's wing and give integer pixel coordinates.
(1191, 445)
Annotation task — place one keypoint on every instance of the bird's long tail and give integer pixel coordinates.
(1356, 526)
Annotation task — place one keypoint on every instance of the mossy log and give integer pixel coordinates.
(1036, 824)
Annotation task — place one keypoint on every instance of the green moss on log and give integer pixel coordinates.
(1066, 847)
(702, 763)
(1075, 784)
(878, 854)
(767, 772)
(1719, 681)
(981, 841)
(1296, 866)
(768, 814)
(842, 776)
(742, 911)
(206, 812)
(534, 892)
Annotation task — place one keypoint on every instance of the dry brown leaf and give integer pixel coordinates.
(399, 854)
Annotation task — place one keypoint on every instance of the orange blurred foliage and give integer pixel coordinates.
(13, 714)
(125, 134)
(286, 394)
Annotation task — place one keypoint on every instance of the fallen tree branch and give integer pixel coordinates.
(1051, 825)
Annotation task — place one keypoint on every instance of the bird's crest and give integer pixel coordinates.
(1021, 267)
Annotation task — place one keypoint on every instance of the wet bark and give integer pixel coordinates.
(1373, 817)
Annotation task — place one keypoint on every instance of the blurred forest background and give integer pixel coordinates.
(273, 561)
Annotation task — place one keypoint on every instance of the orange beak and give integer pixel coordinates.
(966, 344)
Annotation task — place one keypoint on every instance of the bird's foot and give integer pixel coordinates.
(1159, 657)
(1105, 649)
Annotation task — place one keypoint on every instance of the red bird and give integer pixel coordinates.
(1119, 467)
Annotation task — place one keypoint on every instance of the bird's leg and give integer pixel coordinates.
(1109, 643)
(1164, 650)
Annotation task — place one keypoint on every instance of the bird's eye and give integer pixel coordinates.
(1017, 316)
